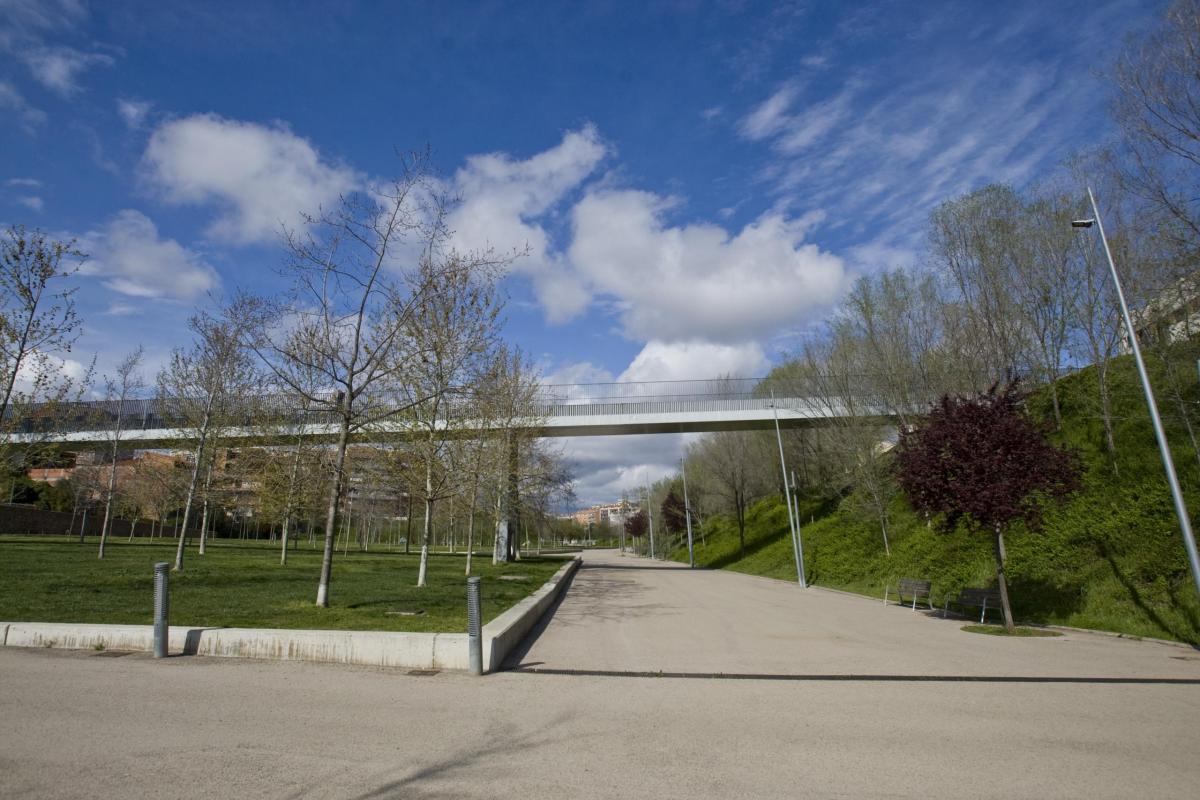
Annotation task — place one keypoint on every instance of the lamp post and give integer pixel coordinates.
(793, 523)
(1185, 524)
(687, 515)
(650, 520)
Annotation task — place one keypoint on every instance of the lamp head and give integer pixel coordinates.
(1083, 223)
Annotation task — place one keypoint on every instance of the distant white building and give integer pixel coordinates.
(1172, 316)
(605, 513)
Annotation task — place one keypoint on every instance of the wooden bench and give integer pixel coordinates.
(913, 588)
(983, 599)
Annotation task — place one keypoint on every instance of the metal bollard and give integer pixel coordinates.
(162, 606)
(474, 627)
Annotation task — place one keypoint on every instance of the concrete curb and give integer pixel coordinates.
(406, 650)
(506, 631)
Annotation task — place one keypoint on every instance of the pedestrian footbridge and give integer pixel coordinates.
(596, 409)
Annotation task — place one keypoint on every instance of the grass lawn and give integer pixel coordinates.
(1000, 630)
(242, 585)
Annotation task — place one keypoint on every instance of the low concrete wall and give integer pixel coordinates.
(369, 648)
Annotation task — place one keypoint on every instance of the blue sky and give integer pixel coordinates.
(697, 182)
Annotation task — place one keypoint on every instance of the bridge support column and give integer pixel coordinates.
(508, 528)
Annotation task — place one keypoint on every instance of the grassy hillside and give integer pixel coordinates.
(1111, 558)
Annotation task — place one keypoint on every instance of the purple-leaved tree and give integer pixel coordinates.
(635, 526)
(983, 461)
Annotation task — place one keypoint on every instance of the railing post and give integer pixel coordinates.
(474, 627)
(162, 603)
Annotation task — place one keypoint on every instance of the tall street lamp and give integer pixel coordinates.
(1185, 523)
(687, 515)
(650, 519)
(793, 519)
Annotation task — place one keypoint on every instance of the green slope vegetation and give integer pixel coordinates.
(1111, 558)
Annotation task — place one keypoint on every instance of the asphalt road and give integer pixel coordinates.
(85, 724)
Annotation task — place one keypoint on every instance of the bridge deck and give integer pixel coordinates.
(566, 410)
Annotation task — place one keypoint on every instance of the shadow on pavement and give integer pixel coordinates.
(502, 742)
(522, 649)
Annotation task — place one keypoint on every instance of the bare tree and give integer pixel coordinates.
(204, 387)
(358, 276)
(730, 464)
(449, 336)
(513, 390)
(1158, 108)
(38, 325)
(119, 389)
(972, 238)
(856, 437)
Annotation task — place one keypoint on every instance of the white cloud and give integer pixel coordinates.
(30, 118)
(801, 131)
(58, 68)
(32, 202)
(668, 282)
(259, 176)
(770, 116)
(607, 467)
(25, 17)
(31, 183)
(699, 281)
(578, 372)
(610, 467)
(40, 370)
(674, 361)
(133, 112)
(879, 149)
(129, 256)
(505, 202)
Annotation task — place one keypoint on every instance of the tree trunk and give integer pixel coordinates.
(427, 527)
(1058, 421)
(287, 506)
(887, 550)
(335, 492)
(1110, 441)
(408, 524)
(112, 474)
(471, 523)
(740, 511)
(108, 498)
(204, 512)
(1003, 581)
(191, 492)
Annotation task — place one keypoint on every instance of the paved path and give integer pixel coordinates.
(625, 613)
(83, 724)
